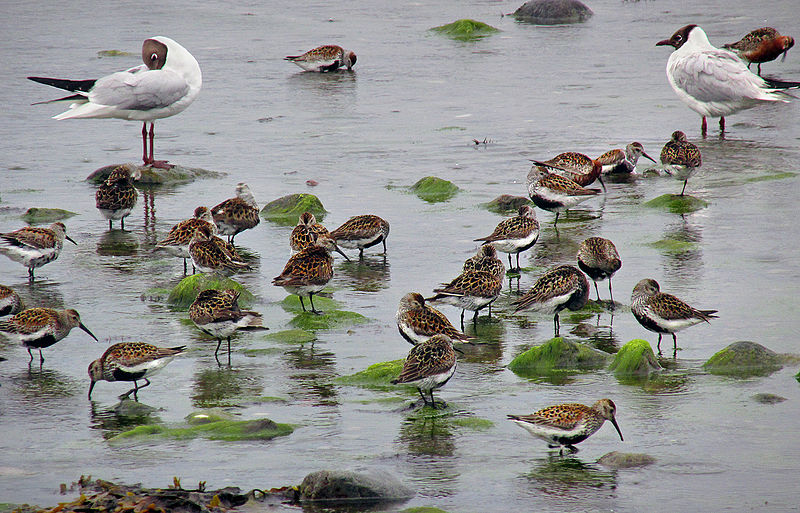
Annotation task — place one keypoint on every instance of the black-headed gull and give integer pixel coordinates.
(715, 82)
(324, 58)
(167, 82)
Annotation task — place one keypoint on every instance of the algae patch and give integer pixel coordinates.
(215, 427)
(465, 30)
(378, 375)
(292, 336)
(558, 356)
(434, 190)
(636, 358)
(677, 204)
(287, 209)
(744, 359)
(185, 292)
(36, 215)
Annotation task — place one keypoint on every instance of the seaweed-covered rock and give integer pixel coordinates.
(506, 203)
(617, 460)
(635, 358)
(292, 336)
(156, 176)
(558, 355)
(185, 292)
(216, 428)
(466, 30)
(743, 359)
(434, 190)
(340, 485)
(677, 204)
(287, 209)
(553, 12)
(36, 215)
(330, 319)
(378, 375)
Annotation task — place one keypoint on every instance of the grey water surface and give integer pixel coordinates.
(411, 108)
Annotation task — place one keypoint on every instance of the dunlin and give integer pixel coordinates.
(555, 193)
(599, 259)
(324, 58)
(167, 83)
(680, 157)
(560, 287)
(565, 425)
(418, 321)
(10, 302)
(217, 313)
(715, 82)
(580, 168)
(235, 215)
(210, 254)
(486, 260)
(361, 232)
(117, 196)
(130, 361)
(664, 313)
(620, 161)
(177, 241)
(306, 232)
(36, 328)
(471, 290)
(33, 247)
(429, 366)
(515, 234)
(308, 271)
(761, 45)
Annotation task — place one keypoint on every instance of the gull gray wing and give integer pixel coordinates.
(139, 91)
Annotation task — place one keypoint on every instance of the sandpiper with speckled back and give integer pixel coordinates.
(33, 246)
(130, 361)
(564, 286)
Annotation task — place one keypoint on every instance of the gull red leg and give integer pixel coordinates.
(144, 143)
(151, 160)
(704, 127)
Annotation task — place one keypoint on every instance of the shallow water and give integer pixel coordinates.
(410, 109)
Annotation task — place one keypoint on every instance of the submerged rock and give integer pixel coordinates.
(636, 358)
(558, 355)
(185, 292)
(553, 12)
(466, 30)
(506, 203)
(677, 204)
(287, 209)
(434, 190)
(36, 215)
(292, 336)
(214, 427)
(617, 460)
(155, 176)
(744, 359)
(378, 375)
(340, 485)
(765, 398)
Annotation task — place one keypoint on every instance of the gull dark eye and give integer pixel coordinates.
(678, 38)
(154, 57)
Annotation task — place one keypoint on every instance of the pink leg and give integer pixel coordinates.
(144, 143)
(156, 163)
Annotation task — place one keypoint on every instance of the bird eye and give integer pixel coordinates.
(154, 57)
(678, 37)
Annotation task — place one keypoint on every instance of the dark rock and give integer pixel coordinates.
(768, 398)
(36, 215)
(507, 203)
(340, 485)
(553, 12)
(617, 460)
(156, 176)
(744, 359)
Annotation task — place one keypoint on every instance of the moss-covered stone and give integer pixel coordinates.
(617, 460)
(155, 176)
(292, 304)
(668, 245)
(466, 30)
(207, 416)
(506, 203)
(185, 292)
(226, 430)
(774, 176)
(292, 336)
(744, 359)
(558, 356)
(36, 215)
(677, 204)
(287, 209)
(378, 375)
(330, 319)
(553, 12)
(434, 190)
(636, 358)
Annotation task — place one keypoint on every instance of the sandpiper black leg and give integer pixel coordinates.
(301, 303)
(424, 399)
(674, 344)
(185, 268)
(596, 291)
(610, 293)
(229, 351)
(519, 269)
(600, 179)
(510, 265)
(384, 246)
(360, 253)
(557, 324)
(313, 310)
(659, 343)
(462, 319)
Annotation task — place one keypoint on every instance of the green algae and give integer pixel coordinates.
(558, 356)
(292, 303)
(775, 176)
(506, 203)
(378, 375)
(744, 359)
(475, 423)
(573, 473)
(448, 128)
(185, 292)
(636, 358)
(466, 30)
(219, 429)
(287, 209)
(292, 336)
(434, 190)
(677, 204)
(330, 319)
(36, 215)
(668, 245)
